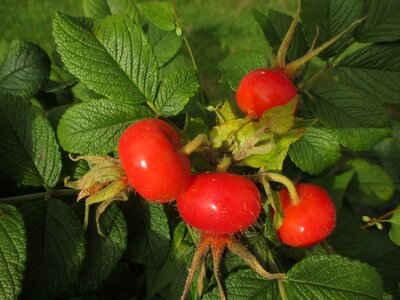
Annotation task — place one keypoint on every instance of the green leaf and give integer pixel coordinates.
(103, 253)
(371, 246)
(394, 232)
(56, 248)
(94, 127)
(113, 57)
(244, 285)
(357, 121)
(83, 93)
(159, 13)
(371, 185)
(150, 238)
(12, 252)
(29, 153)
(333, 277)
(331, 17)
(175, 91)
(166, 44)
(224, 133)
(316, 150)
(382, 23)
(336, 186)
(98, 9)
(274, 26)
(374, 69)
(388, 151)
(25, 70)
(235, 66)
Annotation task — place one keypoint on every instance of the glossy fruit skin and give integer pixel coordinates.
(220, 203)
(311, 220)
(263, 89)
(149, 151)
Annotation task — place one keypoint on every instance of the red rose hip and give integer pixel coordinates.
(263, 89)
(220, 203)
(310, 220)
(149, 151)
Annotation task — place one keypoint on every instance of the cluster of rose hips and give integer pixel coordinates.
(221, 204)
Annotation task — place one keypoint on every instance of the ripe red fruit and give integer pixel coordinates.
(149, 151)
(220, 203)
(309, 221)
(263, 89)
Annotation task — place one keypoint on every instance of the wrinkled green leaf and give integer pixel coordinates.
(24, 71)
(331, 17)
(274, 26)
(103, 253)
(56, 248)
(175, 91)
(316, 150)
(150, 238)
(382, 23)
(235, 66)
(113, 57)
(29, 153)
(375, 70)
(333, 277)
(98, 9)
(94, 127)
(371, 246)
(371, 185)
(159, 13)
(394, 232)
(166, 44)
(244, 285)
(12, 252)
(352, 116)
(83, 93)
(280, 119)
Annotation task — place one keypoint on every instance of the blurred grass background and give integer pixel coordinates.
(214, 28)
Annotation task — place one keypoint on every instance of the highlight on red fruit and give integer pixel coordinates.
(220, 203)
(263, 89)
(149, 151)
(310, 220)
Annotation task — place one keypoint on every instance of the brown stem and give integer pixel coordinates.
(28, 197)
(239, 250)
(275, 268)
(328, 248)
(381, 218)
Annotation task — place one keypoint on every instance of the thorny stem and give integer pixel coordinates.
(239, 250)
(291, 68)
(280, 61)
(380, 219)
(28, 197)
(287, 183)
(200, 140)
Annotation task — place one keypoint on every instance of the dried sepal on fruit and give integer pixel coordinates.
(104, 183)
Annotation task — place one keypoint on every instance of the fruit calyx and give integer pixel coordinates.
(104, 183)
(290, 69)
(217, 243)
